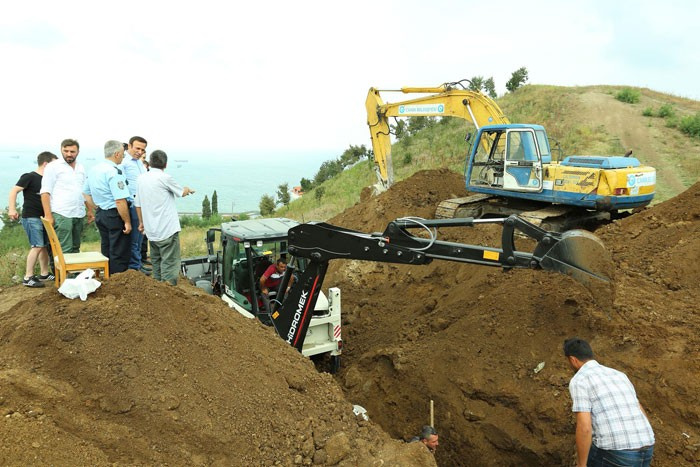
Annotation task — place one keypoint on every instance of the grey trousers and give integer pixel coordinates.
(165, 258)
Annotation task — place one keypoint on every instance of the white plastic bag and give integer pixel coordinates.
(81, 286)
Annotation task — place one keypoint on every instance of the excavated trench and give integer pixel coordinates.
(485, 345)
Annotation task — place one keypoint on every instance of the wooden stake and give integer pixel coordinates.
(432, 414)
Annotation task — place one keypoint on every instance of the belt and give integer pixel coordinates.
(643, 448)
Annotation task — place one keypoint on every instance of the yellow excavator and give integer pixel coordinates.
(510, 167)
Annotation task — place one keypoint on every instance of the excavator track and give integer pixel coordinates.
(551, 217)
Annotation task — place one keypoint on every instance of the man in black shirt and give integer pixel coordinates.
(30, 185)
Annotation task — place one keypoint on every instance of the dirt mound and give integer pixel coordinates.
(146, 374)
(471, 338)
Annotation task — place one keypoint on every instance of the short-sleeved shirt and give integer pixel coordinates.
(106, 183)
(156, 194)
(31, 186)
(274, 277)
(617, 419)
(132, 169)
(65, 185)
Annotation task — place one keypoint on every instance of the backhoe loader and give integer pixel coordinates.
(510, 167)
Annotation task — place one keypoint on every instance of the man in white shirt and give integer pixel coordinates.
(62, 196)
(611, 425)
(158, 218)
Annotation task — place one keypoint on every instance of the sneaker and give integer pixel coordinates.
(146, 262)
(46, 277)
(146, 271)
(146, 268)
(33, 282)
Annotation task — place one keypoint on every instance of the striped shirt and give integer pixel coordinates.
(617, 419)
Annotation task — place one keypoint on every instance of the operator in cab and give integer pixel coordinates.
(271, 278)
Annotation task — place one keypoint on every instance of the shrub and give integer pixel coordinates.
(690, 125)
(664, 111)
(198, 221)
(648, 112)
(628, 95)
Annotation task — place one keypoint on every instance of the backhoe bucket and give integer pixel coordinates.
(581, 255)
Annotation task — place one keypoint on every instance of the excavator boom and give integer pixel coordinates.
(578, 254)
(445, 101)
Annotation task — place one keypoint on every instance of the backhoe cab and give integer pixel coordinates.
(232, 271)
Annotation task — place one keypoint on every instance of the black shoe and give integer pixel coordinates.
(46, 277)
(33, 282)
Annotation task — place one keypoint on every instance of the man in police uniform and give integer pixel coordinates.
(106, 188)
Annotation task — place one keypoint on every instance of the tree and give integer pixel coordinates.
(416, 124)
(283, 196)
(206, 208)
(214, 204)
(328, 170)
(476, 83)
(267, 205)
(517, 79)
(399, 129)
(490, 88)
(306, 184)
(352, 155)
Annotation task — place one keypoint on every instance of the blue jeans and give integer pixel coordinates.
(35, 232)
(609, 458)
(136, 239)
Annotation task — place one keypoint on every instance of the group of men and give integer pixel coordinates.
(131, 201)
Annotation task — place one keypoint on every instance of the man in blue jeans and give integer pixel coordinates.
(611, 426)
(133, 167)
(29, 185)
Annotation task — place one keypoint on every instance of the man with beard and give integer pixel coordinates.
(62, 196)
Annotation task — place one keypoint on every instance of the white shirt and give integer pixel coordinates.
(156, 193)
(618, 421)
(65, 185)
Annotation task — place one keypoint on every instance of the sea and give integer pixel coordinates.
(240, 179)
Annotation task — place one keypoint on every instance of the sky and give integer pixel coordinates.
(280, 79)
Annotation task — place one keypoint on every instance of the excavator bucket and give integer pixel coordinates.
(582, 256)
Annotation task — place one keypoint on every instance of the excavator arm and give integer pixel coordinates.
(442, 101)
(576, 253)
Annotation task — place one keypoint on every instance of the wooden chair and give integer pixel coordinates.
(73, 262)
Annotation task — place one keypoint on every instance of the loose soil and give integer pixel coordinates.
(143, 373)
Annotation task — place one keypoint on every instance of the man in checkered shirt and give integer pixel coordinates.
(611, 426)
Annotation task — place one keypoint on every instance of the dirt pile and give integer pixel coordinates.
(146, 374)
(471, 338)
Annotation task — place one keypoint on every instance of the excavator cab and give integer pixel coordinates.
(508, 157)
